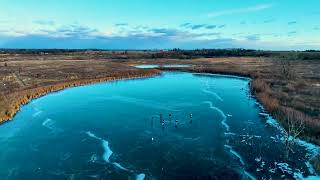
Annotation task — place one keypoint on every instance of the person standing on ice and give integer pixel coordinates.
(162, 123)
(176, 124)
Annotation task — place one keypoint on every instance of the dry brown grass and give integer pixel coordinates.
(271, 104)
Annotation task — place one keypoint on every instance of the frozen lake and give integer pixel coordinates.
(150, 66)
(173, 126)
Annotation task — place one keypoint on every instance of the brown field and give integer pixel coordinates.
(281, 87)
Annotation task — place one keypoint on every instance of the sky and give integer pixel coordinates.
(160, 24)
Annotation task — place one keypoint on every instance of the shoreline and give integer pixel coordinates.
(301, 141)
(269, 103)
(30, 94)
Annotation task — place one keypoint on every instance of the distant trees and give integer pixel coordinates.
(180, 53)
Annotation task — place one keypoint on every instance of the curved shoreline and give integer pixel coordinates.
(259, 89)
(31, 94)
(263, 105)
(26, 96)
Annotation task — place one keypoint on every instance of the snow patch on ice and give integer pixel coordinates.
(272, 122)
(93, 158)
(47, 122)
(284, 167)
(107, 151)
(140, 176)
(51, 125)
(310, 168)
(263, 114)
(105, 144)
(296, 173)
(258, 159)
(311, 148)
(242, 135)
(312, 178)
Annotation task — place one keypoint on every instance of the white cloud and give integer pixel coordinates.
(256, 8)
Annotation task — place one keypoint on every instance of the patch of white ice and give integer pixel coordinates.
(311, 148)
(107, 151)
(263, 114)
(312, 178)
(48, 123)
(140, 176)
(105, 144)
(310, 168)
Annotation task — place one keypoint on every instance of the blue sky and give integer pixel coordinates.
(161, 24)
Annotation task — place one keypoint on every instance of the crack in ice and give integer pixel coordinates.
(224, 117)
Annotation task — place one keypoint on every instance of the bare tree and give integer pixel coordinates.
(287, 65)
(287, 69)
(295, 125)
